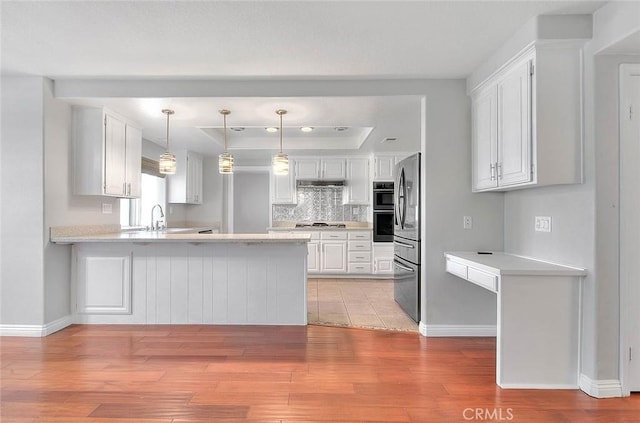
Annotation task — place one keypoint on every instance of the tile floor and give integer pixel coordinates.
(356, 302)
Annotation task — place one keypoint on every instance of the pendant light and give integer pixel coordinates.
(225, 160)
(280, 161)
(167, 163)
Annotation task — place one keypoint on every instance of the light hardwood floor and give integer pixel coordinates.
(200, 374)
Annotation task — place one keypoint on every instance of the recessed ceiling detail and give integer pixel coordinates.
(320, 137)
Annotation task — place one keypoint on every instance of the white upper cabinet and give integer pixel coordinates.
(357, 182)
(514, 129)
(107, 154)
(328, 169)
(283, 187)
(383, 167)
(186, 185)
(527, 127)
(133, 156)
(485, 138)
(333, 169)
(307, 168)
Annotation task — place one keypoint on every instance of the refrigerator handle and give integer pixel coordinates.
(408, 269)
(402, 244)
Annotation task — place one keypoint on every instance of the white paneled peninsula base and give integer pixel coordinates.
(538, 322)
(190, 279)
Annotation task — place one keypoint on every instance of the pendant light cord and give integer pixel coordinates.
(280, 132)
(167, 112)
(167, 131)
(224, 118)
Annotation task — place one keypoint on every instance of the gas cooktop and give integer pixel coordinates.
(320, 225)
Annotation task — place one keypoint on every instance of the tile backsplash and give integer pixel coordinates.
(320, 204)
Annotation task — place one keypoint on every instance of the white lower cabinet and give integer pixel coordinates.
(333, 252)
(383, 258)
(359, 252)
(103, 282)
(337, 252)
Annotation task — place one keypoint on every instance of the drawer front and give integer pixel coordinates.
(484, 279)
(359, 246)
(360, 235)
(364, 268)
(457, 269)
(315, 235)
(359, 256)
(333, 235)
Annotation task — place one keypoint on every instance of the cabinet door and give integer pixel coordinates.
(307, 169)
(383, 168)
(283, 187)
(334, 257)
(194, 178)
(485, 138)
(114, 156)
(514, 126)
(333, 169)
(313, 257)
(133, 158)
(357, 181)
(103, 283)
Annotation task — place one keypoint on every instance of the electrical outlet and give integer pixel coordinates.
(467, 222)
(107, 208)
(543, 224)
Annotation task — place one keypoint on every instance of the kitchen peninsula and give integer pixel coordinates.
(182, 277)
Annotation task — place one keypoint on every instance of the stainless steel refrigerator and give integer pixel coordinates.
(406, 238)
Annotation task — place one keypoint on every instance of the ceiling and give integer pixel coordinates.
(265, 40)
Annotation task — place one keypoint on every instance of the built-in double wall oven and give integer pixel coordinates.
(383, 211)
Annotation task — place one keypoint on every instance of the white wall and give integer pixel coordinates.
(21, 277)
(61, 207)
(447, 162)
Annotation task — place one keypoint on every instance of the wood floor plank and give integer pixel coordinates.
(195, 373)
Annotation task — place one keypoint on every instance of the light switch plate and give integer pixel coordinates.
(543, 224)
(107, 208)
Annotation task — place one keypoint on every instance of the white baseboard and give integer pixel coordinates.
(536, 386)
(36, 331)
(610, 388)
(457, 330)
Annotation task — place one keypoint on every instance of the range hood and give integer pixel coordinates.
(301, 183)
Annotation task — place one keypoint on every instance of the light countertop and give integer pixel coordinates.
(173, 236)
(292, 228)
(500, 263)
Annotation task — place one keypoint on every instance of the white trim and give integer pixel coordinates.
(36, 331)
(457, 330)
(536, 386)
(625, 268)
(610, 388)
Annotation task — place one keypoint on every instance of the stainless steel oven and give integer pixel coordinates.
(383, 196)
(383, 226)
(383, 212)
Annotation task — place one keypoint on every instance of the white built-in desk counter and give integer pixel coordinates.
(538, 316)
(188, 278)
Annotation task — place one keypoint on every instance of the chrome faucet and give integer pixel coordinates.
(157, 225)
